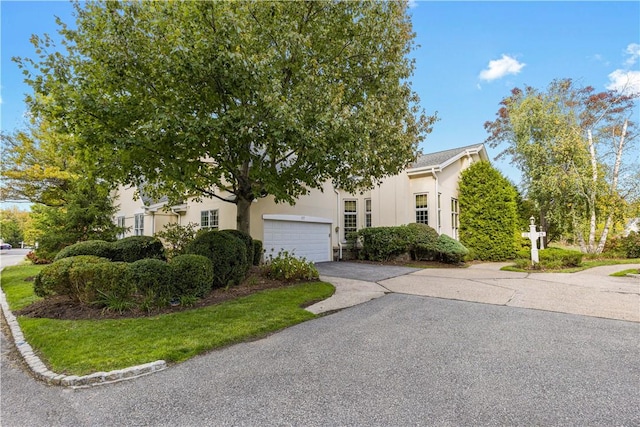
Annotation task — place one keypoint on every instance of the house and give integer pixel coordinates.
(317, 225)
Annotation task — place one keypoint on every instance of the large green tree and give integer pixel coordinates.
(570, 144)
(489, 220)
(235, 100)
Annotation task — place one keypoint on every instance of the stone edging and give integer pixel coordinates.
(43, 373)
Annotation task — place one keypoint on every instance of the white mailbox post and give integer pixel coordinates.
(533, 235)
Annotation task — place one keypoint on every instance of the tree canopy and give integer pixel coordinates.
(248, 98)
(570, 143)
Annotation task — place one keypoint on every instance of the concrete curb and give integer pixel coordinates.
(42, 373)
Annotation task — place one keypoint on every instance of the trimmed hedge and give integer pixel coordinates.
(248, 244)
(105, 284)
(134, 248)
(551, 258)
(99, 248)
(192, 275)
(423, 241)
(383, 243)
(631, 245)
(227, 253)
(54, 278)
(450, 250)
(153, 281)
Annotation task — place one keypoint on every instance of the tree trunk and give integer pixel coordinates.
(592, 196)
(243, 218)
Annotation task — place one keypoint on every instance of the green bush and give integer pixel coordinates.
(99, 248)
(54, 278)
(227, 254)
(450, 250)
(383, 243)
(105, 284)
(152, 279)
(286, 266)
(557, 258)
(134, 248)
(192, 275)
(489, 221)
(422, 241)
(257, 251)
(248, 244)
(631, 245)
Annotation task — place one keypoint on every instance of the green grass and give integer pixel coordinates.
(80, 347)
(585, 265)
(623, 273)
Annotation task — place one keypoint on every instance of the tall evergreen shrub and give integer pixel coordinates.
(488, 213)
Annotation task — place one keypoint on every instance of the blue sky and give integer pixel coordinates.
(470, 55)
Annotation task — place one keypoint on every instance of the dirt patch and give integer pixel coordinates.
(62, 307)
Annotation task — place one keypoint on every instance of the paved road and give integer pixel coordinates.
(12, 256)
(397, 360)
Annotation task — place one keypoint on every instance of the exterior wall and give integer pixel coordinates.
(392, 203)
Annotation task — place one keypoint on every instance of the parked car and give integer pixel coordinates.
(5, 246)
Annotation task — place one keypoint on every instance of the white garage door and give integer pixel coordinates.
(302, 236)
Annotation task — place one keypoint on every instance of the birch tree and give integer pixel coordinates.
(571, 145)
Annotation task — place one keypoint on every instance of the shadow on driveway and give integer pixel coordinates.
(362, 271)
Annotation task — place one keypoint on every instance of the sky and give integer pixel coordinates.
(469, 55)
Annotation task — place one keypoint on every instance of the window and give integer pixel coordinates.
(138, 224)
(422, 211)
(367, 212)
(350, 216)
(455, 214)
(121, 226)
(209, 219)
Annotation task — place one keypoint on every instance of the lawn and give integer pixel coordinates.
(79, 347)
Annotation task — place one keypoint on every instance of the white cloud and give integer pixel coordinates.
(499, 68)
(624, 81)
(412, 4)
(633, 50)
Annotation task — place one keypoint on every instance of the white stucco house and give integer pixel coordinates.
(316, 226)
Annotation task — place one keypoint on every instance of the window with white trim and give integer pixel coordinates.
(138, 224)
(209, 219)
(367, 213)
(121, 226)
(422, 209)
(455, 218)
(350, 221)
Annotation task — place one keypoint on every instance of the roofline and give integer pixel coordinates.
(472, 149)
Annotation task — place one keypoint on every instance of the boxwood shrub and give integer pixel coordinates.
(153, 280)
(450, 250)
(248, 244)
(134, 248)
(54, 278)
(192, 275)
(422, 241)
(227, 253)
(99, 248)
(105, 284)
(382, 243)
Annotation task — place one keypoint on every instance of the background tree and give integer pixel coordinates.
(248, 98)
(69, 203)
(14, 225)
(489, 221)
(570, 145)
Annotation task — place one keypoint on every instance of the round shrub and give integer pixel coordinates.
(257, 251)
(192, 275)
(383, 243)
(152, 279)
(631, 245)
(134, 248)
(422, 241)
(54, 278)
(451, 250)
(99, 248)
(227, 253)
(103, 284)
(246, 239)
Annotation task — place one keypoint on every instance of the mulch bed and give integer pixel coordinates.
(62, 307)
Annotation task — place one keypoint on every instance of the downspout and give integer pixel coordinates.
(338, 222)
(433, 172)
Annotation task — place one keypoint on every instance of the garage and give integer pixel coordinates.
(303, 236)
